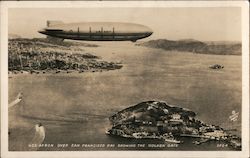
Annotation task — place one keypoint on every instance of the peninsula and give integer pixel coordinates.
(41, 56)
(195, 46)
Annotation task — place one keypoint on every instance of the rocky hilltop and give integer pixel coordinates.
(159, 120)
(190, 45)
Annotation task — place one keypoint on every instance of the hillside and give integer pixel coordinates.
(190, 45)
(34, 55)
(159, 120)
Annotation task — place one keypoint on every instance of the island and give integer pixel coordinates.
(160, 120)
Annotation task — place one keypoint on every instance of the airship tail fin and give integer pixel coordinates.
(52, 23)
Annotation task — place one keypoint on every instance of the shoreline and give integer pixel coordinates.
(54, 72)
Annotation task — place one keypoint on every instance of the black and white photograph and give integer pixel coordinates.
(125, 77)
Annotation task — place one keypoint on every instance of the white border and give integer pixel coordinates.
(77, 4)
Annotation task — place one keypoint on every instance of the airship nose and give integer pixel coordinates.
(42, 31)
(149, 31)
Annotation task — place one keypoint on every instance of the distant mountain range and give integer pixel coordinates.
(195, 46)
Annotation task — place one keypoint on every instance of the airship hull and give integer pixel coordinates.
(98, 31)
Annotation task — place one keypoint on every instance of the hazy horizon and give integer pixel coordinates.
(203, 24)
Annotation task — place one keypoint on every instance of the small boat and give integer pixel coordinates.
(201, 141)
(170, 138)
(107, 132)
(137, 135)
(197, 142)
(216, 66)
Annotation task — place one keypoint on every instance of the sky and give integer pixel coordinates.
(205, 24)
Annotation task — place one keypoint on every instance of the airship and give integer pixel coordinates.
(96, 31)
